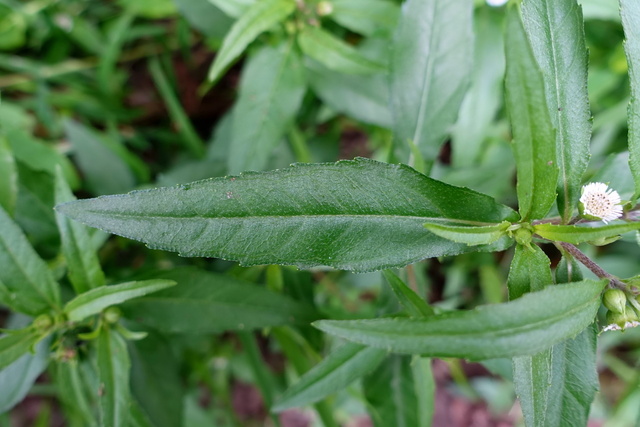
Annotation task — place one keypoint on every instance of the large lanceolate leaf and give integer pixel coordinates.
(526, 326)
(26, 284)
(534, 137)
(357, 215)
(207, 302)
(556, 33)
(630, 12)
(271, 92)
(260, 17)
(431, 64)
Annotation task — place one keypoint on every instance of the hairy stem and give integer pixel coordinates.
(595, 268)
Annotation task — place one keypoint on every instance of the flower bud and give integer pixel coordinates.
(616, 319)
(324, 8)
(43, 322)
(615, 300)
(112, 315)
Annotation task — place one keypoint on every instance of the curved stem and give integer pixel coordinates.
(595, 268)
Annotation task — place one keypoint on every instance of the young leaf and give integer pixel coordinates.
(630, 12)
(8, 177)
(534, 137)
(366, 17)
(472, 236)
(430, 68)
(271, 91)
(401, 392)
(415, 306)
(556, 33)
(336, 371)
(208, 302)
(15, 344)
(113, 369)
(94, 301)
(26, 284)
(527, 325)
(261, 16)
(576, 234)
(356, 215)
(18, 378)
(530, 271)
(82, 261)
(334, 53)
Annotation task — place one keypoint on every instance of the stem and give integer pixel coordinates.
(595, 268)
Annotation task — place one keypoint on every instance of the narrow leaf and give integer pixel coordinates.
(556, 33)
(415, 306)
(334, 53)
(339, 369)
(472, 236)
(208, 302)
(94, 301)
(271, 92)
(530, 271)
(82, 261)
(430, 69)
(8, 177)
(534, 145)
(15, 344)
(527, 325)
(29, 285)
(630, 12)
(577, 234)
(356, 215)
(73, 391)
(261, 16)
(113, 369)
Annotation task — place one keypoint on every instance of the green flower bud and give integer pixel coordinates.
(112, 315)
(616, 319)
(43, 322)
(615, 300)
(523, 236)
(324, 8)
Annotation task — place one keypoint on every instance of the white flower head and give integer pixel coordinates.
(598, 201)
(616, 327)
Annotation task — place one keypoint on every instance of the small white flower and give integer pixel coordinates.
(616, 327)
(600, 202)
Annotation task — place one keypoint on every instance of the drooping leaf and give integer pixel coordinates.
(367, 17)
(113, 369)
(97, 299)
(207, 302)
(430, 67)
(260, 17)
(357, 215)
(82, 261)
(525, 326)
(271, 91)
(335, 54)
(336, 371)
(15, 344)
(530, 271)
(415, 306)
(534, 140)
(8, 177)
(401, 392)
(26, 284)
(472, 236)
(578, 234)
(556, 33)
(18, 377)
(630, 12)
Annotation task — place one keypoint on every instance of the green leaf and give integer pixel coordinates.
(105, 170)
(578, 234)
(113, 370)
(26, 284)
(401, 392)
(336, 371)
(208, 302)
(8, 177)
(15, 344)
(205, 17)
(534, 136)
(94, 301)
(415, 306)
(17, 378)
(472, 236)
(367, 17)
(530, 271)
(260, 17)
(271, 92)
(334, 53)
(556, 33)
(73, 391)
(431, 61)
(357, 215)
(82, 261)
(525, 326)
(233, 8)
(630, 12)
